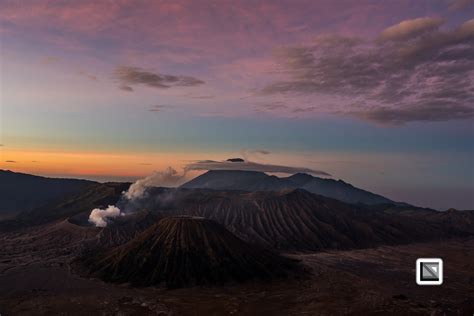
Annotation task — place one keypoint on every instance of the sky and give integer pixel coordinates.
(377, 93)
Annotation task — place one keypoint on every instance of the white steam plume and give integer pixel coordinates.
(99, 216)
(167, 178)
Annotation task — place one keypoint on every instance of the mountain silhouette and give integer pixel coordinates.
(20, 192)
(259, 181)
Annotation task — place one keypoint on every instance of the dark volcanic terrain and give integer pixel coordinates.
(220, 248)
(187, 251)
(37, 279)
(297, 220)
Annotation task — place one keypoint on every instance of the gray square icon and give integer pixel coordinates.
(429, 271)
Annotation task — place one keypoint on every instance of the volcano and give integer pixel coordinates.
(186, 251)
(252, 181)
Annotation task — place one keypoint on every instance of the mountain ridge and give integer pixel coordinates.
(297, 220)
(21, 192)
(260, 181)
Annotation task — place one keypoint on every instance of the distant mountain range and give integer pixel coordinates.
(297, 220)
(20, 192)
(258, 181)
(28, 196)
(284, 219)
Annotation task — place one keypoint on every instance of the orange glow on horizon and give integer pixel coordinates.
(86, 164)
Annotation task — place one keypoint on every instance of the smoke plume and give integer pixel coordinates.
(99, 216)
(136, 196)
(167, 178)
(128, 202)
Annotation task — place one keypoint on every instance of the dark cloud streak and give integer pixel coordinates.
(203, 97)
(424, 112)
(129, 76)
(158, 108)
(126, 88)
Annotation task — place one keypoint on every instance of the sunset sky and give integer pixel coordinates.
(378, 93)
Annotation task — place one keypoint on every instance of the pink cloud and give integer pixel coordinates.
(228, 44)
(223, 29)
(82, 16)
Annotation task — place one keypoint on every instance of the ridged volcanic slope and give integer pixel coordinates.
(187, 251)
(297, 220)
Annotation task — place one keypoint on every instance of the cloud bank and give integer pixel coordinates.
(249, 166)
(410, 28)
(413, 71)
